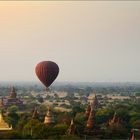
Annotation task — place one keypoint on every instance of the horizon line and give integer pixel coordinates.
(13, 81)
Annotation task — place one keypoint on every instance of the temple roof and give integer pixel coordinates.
(11, 99)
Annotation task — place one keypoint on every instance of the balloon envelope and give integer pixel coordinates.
(47, 71)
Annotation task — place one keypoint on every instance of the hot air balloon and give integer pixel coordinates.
(47, 71)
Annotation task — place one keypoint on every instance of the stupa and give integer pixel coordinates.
(3, 125)
(49, 117)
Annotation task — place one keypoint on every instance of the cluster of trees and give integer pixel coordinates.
(25, 127)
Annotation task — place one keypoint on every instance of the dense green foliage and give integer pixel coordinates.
(26, 127)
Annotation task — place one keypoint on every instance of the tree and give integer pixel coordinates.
(116, 131)
(80, 121)
(42, 109)
(123, 113)
(10, 135)
(64, 118)
(40, 99)
(29, 127)
(134, 117)
(103, 115)
(70, 137)
(12, 109)
(22, 121)
(76, 107)
(60, 129)
(41, 131)
(12, 117)
(136, 124)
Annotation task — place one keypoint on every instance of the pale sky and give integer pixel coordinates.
(93, 41)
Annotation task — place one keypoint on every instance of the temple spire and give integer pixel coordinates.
(114, 120)
(88, 110)
(35, 114)
(89, 124)
(133, 136)
(71, 129)
(95, 103)
(13, 93)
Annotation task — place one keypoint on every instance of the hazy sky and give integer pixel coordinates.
(90, 41)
